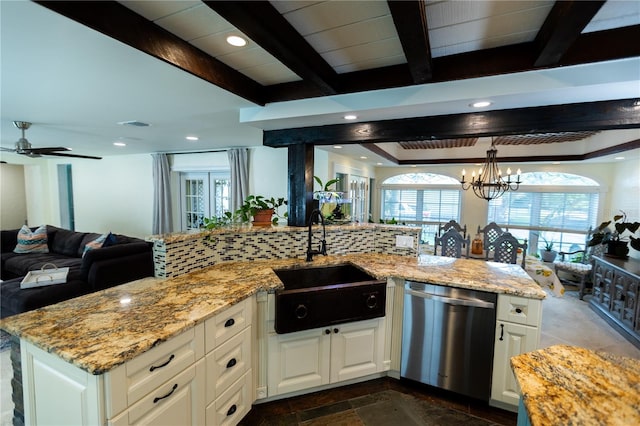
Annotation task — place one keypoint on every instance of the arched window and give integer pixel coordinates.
(551, 206)
(425, 199)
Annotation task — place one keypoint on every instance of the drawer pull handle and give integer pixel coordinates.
(501, 332)
(229, 322)
(518, 310)
(158, 398)
(155, 367)
(231, 363)
(232, 410)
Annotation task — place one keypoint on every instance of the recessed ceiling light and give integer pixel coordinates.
(363, 157)
(619, 158)
(236, 41)
(191, 138)
(337, 147)
(378, 164)
(350, 117)
(120, 144)
(480, 104)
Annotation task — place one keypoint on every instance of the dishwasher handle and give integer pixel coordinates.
(450, 300)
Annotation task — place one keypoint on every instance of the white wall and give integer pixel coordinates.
(268, 171)
(13, 201)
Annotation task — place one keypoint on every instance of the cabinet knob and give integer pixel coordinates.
(230, 322)
(232, 410)
(327, 331)
(335, 330)
(372, 301)
(231, 363)
(518, 310)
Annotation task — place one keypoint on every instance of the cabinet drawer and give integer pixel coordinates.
(226, 324)
(227, 363)
(232, 405)
(519, 310)
(171, 403)
(151, 369)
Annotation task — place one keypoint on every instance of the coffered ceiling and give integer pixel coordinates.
(306, 63)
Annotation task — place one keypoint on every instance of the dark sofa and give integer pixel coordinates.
(126, 260)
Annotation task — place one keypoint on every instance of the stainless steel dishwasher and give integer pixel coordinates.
(448, 338)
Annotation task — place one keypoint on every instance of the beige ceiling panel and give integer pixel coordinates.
(194, 23)
(332, 14)
(153, 10)
(485, 29)
(247, 58)
(273, 73)
(365, 52)
(372, 63)
(482, 44)
(614, 14)
(445, 13)
(285, 6)
(363, 32)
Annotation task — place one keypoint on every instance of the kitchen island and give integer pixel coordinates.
(105, 333)
(569, 385)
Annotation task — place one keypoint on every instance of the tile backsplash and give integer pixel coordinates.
(177, 254)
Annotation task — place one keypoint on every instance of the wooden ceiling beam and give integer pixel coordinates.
(120, 23)
(410, 20)
(602, 115)
(263, 24)
(562, 28)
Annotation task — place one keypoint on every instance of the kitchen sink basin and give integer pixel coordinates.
(322, 296)
(305, 278)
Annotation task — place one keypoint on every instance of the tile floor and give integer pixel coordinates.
(566, 320)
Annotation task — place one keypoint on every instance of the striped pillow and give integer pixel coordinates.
(32, 242)
(95, 244)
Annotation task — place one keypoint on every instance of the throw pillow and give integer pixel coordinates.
(32, 241)
(95, 244)
(110, 241)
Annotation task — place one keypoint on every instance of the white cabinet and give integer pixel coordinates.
(321, 356)
(517, 331)
(202, 376)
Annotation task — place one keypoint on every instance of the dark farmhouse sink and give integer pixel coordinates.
(323, 296)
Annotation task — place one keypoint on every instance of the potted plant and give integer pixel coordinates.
(328, 200)
(263, 210)
(620, 238)
(548, 254)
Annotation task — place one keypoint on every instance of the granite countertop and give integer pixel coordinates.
(564, 385)
(102, 330)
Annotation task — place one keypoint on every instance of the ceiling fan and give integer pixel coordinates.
(23, 146)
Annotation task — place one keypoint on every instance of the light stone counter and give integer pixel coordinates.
(102, 330)
(564, 385)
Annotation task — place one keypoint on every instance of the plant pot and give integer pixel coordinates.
(618, 248)
(263, 217)
(548, 255)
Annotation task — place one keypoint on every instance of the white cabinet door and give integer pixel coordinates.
(511, 340)
(357, 349)
(298, 360)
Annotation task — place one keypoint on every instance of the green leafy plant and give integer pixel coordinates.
(548, 245)
(253, 203)
(623, 231)
(326, 187)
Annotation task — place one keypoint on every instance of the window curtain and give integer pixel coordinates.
(162, 223)
(239, 171)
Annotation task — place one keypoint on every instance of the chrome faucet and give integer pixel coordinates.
(322, 248)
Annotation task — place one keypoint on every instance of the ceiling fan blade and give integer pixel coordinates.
(48, 150)
(59, 154)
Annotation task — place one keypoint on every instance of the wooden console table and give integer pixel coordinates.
(616, 288)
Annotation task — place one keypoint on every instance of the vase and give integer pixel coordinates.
(617, 248)
(263, 217)
(548, 255)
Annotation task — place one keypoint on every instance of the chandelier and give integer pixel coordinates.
(489, 183)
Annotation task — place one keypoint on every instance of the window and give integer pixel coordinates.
(203, 195)
(558, 207)
(424, 199)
